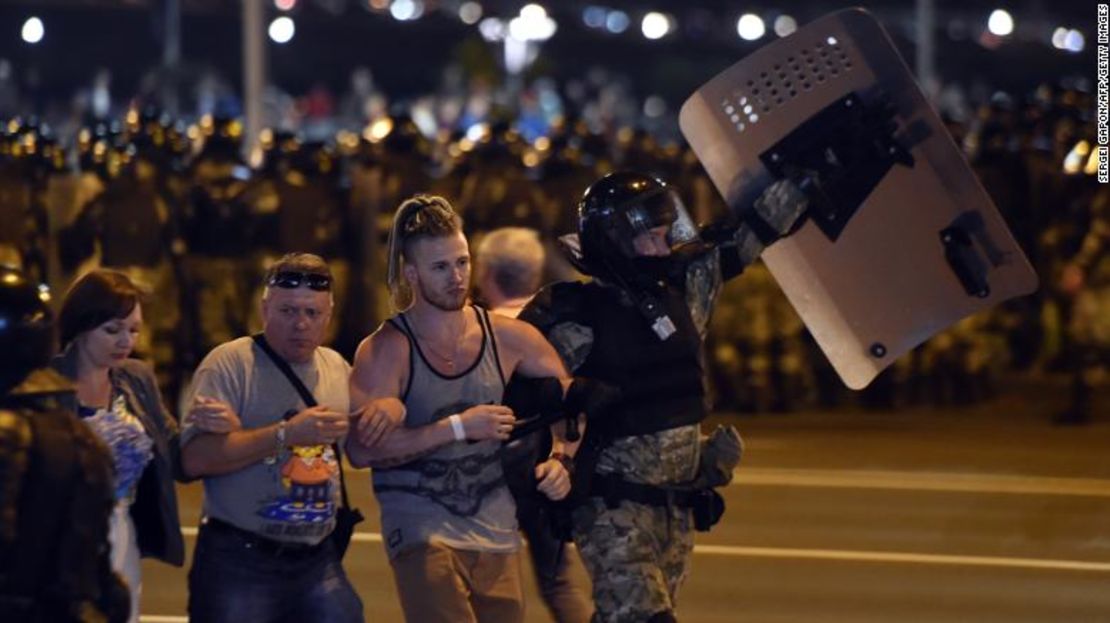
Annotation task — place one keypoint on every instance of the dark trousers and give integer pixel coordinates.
(552, 561)
(234, 580)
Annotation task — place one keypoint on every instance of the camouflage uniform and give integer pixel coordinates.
(644, 478)
(637, 554)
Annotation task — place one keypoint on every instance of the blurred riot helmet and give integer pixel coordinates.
(26, 328)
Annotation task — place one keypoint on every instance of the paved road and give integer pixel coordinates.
(984, 514)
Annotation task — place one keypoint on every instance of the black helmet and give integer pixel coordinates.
(26, 328)
(613, 212)
(315, 159)
(221, 136)
(277, 149)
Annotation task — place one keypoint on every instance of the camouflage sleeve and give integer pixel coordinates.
(573, 342)
(703, 285)
(558, 311)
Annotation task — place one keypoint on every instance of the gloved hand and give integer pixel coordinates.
(777, 212)
(720, 454)
(781, 206)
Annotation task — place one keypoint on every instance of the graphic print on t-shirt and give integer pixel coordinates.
(306, 504)
(306, 478)
(458, 477)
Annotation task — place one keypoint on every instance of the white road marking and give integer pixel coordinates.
(848, 556)
(921, 481)
(903, 558)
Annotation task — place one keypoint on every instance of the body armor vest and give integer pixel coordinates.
(661, 381)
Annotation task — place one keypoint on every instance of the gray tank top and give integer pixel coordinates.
(456, 495)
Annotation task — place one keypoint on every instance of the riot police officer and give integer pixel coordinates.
(644, 473)
(55, 481)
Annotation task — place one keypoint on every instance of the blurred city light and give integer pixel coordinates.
(1074, 41)
(492, 29)
(785, 25)
(282, 29)
(533, 24)
(617, 22)
(1059, 36)
(533, 12)
(1094, 159)
(1000, 23)
(33, 30)
(1076, 158)
(406, 10)
(477, 132)
(470, 12)
(594, 16)
(750, 27)
(285, 5)
(378, 130)
(655, 25)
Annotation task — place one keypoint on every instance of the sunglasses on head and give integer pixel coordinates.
(290, 279)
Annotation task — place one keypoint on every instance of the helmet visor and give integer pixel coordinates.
(664, 208)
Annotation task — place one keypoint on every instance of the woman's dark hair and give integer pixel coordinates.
(99, 296)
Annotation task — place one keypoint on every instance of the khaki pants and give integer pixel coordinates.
(440, 584)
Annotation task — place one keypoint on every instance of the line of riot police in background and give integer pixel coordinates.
(180, 209)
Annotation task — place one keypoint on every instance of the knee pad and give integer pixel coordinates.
(665, 616)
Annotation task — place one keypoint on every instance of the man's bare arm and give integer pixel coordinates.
(214, 454)
(377, 381)
(209, 454)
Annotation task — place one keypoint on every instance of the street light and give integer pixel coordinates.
(750, 27)
(282, 29)
(406, 10)
(1074, 41)
(616, 22)
(532, 24)
(1000, 23)
(33, 30)
(655, 25)
(526, 31)
(785, 25)
(594, 16)
(470, 12)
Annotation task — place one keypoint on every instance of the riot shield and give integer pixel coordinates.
(900, 240)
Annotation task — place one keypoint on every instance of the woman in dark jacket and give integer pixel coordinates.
(119, 400)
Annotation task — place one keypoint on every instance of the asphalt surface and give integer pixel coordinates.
(975, 514)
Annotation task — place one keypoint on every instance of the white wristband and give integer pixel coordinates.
(457, 426)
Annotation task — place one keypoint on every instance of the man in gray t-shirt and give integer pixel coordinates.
(271, 489)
